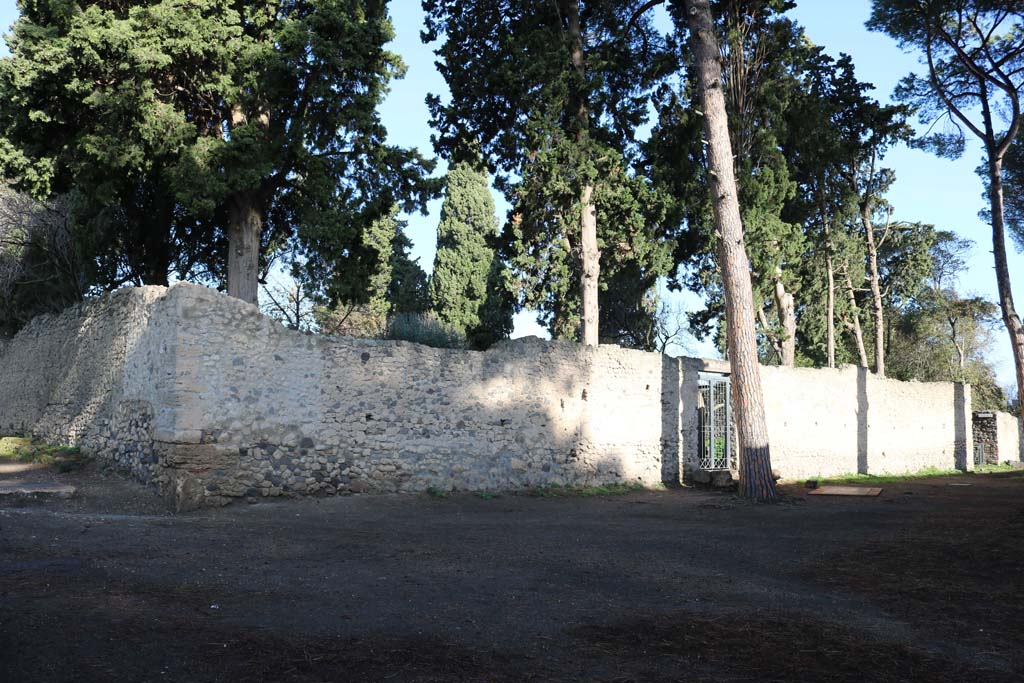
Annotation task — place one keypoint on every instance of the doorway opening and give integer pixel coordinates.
(714, 420)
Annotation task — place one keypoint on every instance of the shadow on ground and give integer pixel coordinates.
(920, 584)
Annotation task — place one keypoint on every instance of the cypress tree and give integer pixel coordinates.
(466, 287)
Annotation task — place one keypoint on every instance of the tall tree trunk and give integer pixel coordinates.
(591, 266)
(590, 256)
(245, 226)
(755, 459)
(787, 319)
(1010, 317)
(994, 156)
(858, 335)
(830, 308)
(876, 288)
(830, 304)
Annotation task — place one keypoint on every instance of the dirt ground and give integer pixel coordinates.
(924, 583)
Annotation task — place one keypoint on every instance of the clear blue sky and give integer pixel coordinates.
(945, 193)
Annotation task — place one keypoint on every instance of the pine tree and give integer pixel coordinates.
(466, 290)
(974, 52)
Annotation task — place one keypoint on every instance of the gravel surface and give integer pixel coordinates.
(922, 583)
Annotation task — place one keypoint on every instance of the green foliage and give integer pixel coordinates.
(1013, 186)
(836, 135)
(904, 261)
(935, 334)
(395, 285)
(61, 458)
(635, 253)
(972, 52)
(161, 115)
(426, 329)
(547, 131)
(873, 479)
(763, 52)
(926, 341)
(13, 447)
(466, 286)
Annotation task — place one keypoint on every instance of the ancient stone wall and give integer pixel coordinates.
(1011, 441)
(999, 434)
(92, 376)
(306, 413)
(207, 399)
(824, 422)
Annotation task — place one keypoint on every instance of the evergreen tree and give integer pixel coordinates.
(466, 290)
(408, 289)
(1013, 184)
(395, 284)
(762, 54)
(974, 54)
(259, 119)
(551, 94)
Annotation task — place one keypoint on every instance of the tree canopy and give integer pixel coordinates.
(185, 126)
(551, 95)
(973, 51)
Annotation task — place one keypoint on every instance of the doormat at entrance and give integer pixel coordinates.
(844, 491)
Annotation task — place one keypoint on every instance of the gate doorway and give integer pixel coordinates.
(714, 420)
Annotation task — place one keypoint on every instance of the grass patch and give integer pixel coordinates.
(871, 479)
(11, 447)
(1001, 467)
(886, 478)
(438, 493)
(61, 458)
(556, 491)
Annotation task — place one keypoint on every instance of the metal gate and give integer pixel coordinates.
(979, 454)
(714, 414)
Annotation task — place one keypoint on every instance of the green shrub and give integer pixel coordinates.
(435, 492)
(426, 329)
(61, 458)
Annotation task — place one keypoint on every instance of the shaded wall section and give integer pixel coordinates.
(92, 375)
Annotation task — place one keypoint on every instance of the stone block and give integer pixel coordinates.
(178, 435)
(199, 456)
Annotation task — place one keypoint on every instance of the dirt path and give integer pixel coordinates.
(922, 583)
